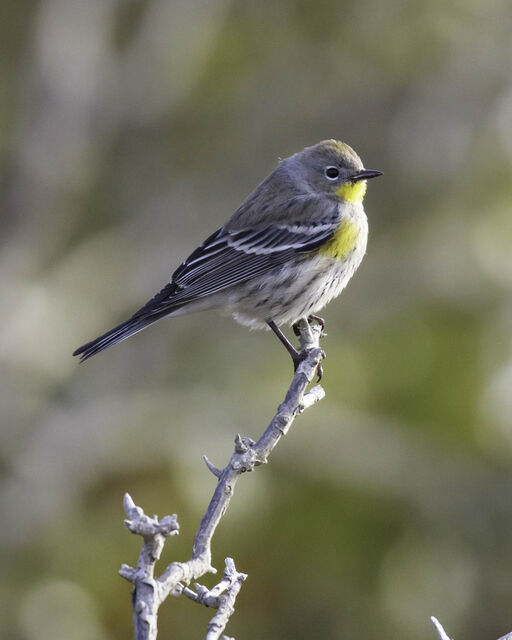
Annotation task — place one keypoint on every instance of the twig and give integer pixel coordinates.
(439, 628)
(149, 592)
(444, 636)
(145, 595)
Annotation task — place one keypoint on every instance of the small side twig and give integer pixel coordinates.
(439, 628)
(223, 596)
(154, 533)
(149, 592)
(444, 636)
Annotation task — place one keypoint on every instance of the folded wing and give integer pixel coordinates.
(227, 258)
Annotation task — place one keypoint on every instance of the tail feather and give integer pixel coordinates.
(115, 335)
(158, 307)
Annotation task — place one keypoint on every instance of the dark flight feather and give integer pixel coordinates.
(225, 259)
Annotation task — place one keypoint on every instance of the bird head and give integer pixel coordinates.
(333, 168)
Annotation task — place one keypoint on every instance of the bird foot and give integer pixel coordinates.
(300, 357)
(296, 356)
(318, 319)
(311, 318)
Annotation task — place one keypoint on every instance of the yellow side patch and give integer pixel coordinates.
(343, 242)
(352, 191)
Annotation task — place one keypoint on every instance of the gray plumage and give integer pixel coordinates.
(264, 263)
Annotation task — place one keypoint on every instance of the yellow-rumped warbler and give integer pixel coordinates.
(290, 248)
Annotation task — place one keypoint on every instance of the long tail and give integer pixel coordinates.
(161, 305)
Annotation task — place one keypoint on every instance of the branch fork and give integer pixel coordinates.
(149, 592)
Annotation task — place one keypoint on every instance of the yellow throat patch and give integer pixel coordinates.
(343, 242)
(352, 191)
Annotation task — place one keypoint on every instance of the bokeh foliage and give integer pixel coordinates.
(128, 132)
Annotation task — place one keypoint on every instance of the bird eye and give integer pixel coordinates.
(331, 173)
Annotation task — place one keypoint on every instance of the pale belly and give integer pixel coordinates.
(291, 292)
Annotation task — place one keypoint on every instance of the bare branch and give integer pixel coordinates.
(444, 636)
(154, 532)
(228, 590)
(439, 628)
(149, 592)
(216, 472)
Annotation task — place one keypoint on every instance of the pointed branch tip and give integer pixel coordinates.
(216, 472)
(128, 503)
(439, 628)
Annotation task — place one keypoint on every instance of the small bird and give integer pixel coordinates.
(286, 252)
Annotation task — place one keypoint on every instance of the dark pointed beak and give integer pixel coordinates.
(365, 174)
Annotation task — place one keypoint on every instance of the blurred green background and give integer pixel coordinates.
(129, 130)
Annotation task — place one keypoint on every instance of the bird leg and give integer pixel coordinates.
(297, 357)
